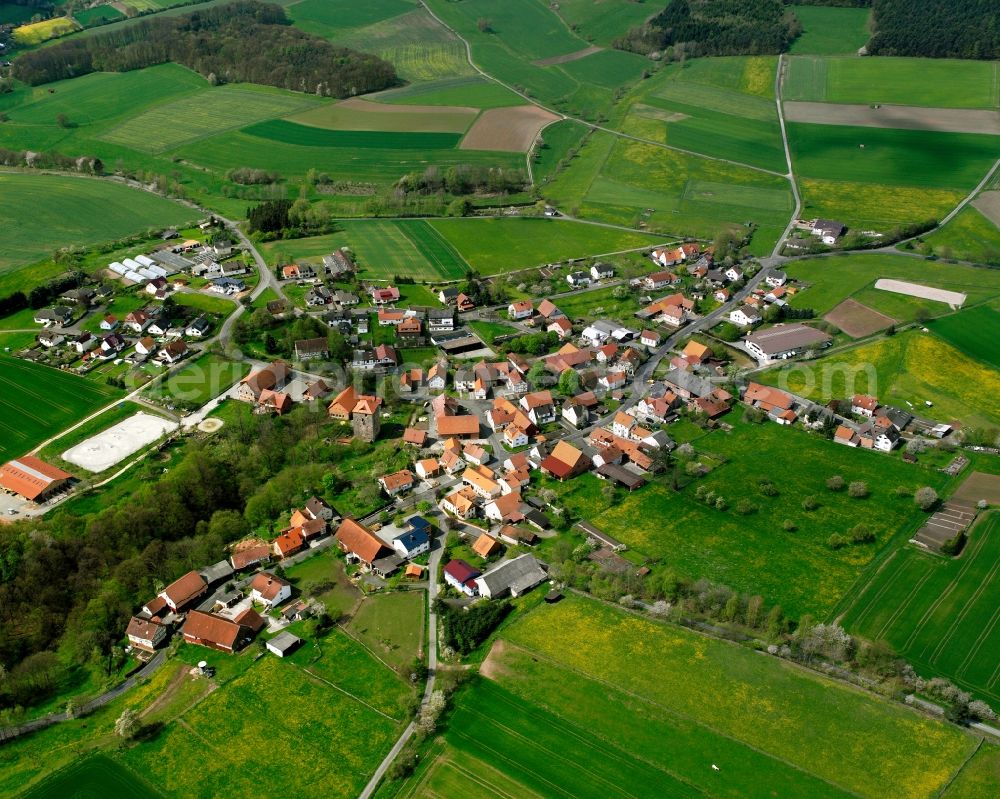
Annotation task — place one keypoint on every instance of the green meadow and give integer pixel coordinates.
(753, 553)
(604, 21)
(475, 92)
(939, 613)
(93, 777)
(831, 31)
(932, 82)
(54, 211)
(969, 236)
(975, 332)
(281, 130)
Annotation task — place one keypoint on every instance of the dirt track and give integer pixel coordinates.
(988, 204)
(507, 129)
(565, 59)
(946, 120)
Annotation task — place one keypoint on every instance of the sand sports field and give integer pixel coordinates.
(907, 117)
(988, 204)
(857, 319)
(508, 129)
(953, 298)
(115, 444)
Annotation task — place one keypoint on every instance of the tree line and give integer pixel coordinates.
(715, 27)
(243, 41)
(936, 28)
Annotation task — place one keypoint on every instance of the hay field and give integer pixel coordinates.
(359, 114)
(975, 332)
(831, 31)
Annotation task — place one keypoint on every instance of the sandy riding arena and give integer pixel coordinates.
(508, 129)
(953, 298)
(857, 319)
(115, 444)
(906, 117)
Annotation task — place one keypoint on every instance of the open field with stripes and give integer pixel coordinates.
(941, 614)
(36, 402)
(584, 701)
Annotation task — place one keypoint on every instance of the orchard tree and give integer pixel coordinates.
(926, 498)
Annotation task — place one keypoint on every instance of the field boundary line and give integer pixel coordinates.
(361, 643)
(779, 77)
(681, 715)
(960, 769)
(868, 605)
(918, 628)
(593, 125)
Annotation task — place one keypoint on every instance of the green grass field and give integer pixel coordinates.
(558, 140)
(939, 613)
(493, 246)
(474, 92)
(598, 303)
(391, 626)
(12, 14)
(382, 249)
(826, 282)
(975, 332)
(93, 777)
(585, 700)
(282, 130)
(205, 302)
(936, 83)
(327, 18)
(97, 15)
(627, 182)
(603, 21)
(205, 114)
(47, 215)
(752, 553)
(415, 44)
(905, 370)
(198, 381)
(310, 728)
(897, 157)
(970, 236)
(831, 31)
(979, 777)
(39, 401)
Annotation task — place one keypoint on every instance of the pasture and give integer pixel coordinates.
(36, 402)
(382, 249)
(93, 777)
(205, 114)
(753, 553)
(939, 613)
(558, 140)
(329, 18)
(50, 213)
(870, 206)
(391, 626)
(978, 778)
(828, 281)
(932, 82)
(97, 15)
(905, 370)
(605, 20)
(975, 332)
(599, 702)
(831, 31)
(494, 246)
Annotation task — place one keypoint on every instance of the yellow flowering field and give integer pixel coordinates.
(842, 736)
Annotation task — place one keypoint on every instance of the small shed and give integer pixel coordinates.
(283, 644)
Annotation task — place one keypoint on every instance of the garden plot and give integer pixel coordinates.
(953, 298)
(507, 129)
(952, 519)
(115, 444)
